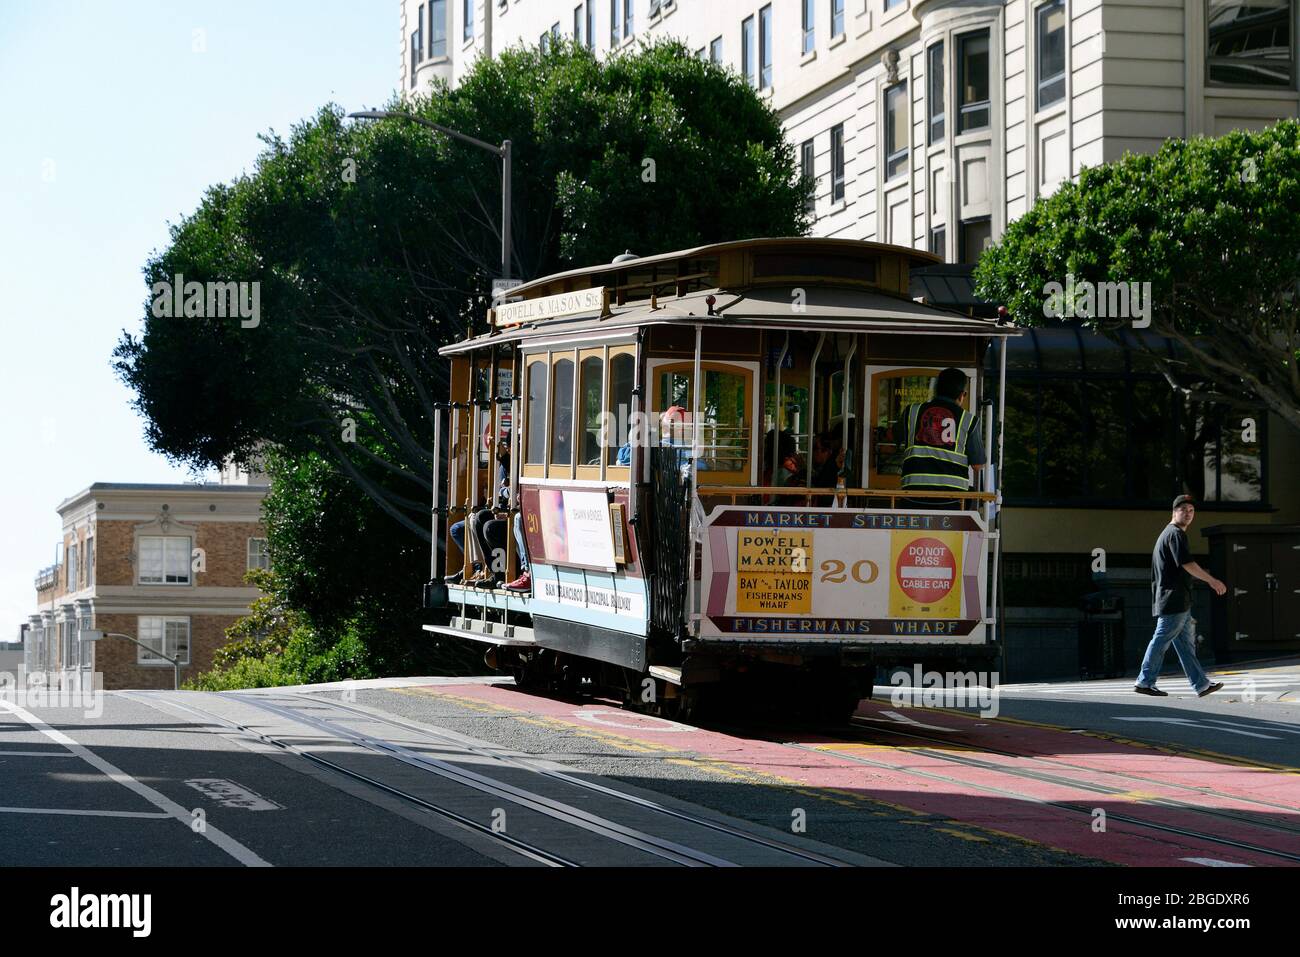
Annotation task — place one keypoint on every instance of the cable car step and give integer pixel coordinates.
(489, 632)
(667, 673)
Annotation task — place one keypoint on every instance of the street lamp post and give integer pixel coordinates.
(175, 663)
(502, 151)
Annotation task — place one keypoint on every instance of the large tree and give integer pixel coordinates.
(374, 244)
(1212, 225)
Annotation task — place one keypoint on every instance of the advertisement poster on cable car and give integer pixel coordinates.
(789, 573)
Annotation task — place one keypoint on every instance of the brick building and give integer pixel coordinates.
(164, 564)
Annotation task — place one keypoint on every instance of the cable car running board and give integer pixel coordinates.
(492, 632)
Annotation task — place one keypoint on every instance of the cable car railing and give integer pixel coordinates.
(890, 495)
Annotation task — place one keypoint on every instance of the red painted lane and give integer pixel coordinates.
(1242, 780)
(964, 798)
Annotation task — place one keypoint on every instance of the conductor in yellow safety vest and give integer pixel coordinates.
(941, 442)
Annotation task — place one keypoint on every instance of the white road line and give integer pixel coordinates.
(152, 815)
(222, 840)
(1211, 862)
(37, 754)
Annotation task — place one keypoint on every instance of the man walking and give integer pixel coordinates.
(1172, 571)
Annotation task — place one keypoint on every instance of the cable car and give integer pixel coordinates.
(696, 459)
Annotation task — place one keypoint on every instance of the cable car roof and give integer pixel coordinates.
(832, 285)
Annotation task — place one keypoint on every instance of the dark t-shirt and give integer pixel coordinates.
(1171, 585)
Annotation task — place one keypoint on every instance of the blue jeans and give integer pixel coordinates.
(1175, 628)
(521, 543)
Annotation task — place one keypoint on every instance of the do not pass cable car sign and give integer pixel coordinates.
(829, 573)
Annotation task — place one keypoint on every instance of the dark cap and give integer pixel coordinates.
(1183, 500)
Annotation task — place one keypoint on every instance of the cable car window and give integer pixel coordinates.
(562, 414)
(622, 370)
(536, 450)
(592, 407)
(794, 415)
(892, 392)
(725, 418)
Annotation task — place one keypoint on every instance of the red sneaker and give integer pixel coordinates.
(523, 583)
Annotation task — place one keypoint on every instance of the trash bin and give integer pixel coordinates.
(1101, 636)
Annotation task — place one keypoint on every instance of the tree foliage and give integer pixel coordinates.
(1211, 224)
(375, 244)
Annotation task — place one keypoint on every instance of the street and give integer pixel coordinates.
(472, 772)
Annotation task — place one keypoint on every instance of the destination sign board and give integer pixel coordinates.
(550, 307)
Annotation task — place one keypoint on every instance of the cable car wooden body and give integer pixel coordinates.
(661, 427)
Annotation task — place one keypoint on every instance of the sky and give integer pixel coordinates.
(117, 116)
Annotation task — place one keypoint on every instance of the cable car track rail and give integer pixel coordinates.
(668, 850)
(525, 764)
(1073, 782)
(537, 803)
(1062, 805)
(523, 848)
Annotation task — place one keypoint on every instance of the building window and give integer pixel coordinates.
(90, 561)
(976, 236)
(837, 163)
(654, 8)
(1248, 42)
(715, 50)
(1051, 53)
(555, 33)
(467, 17)
(418, 37)
(542, 42)
(577, 24)
(259, 555)
(806, 166)
(934, 105)
(591, 24)
(939, 241)
(765, 47)
(837, 18)
(168, 636)
(437, 28)
(747, 56)
(627, 18)
(809, 23)
(70, 568)
(891, 4)
(895, 130)
(973, 60)
(164, 560)
(615, 6)
(415, 56)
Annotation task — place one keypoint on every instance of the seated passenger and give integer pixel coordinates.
(674, 432)
(525, 580)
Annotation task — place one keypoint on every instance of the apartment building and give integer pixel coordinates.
(163, 564)
(930, 123)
